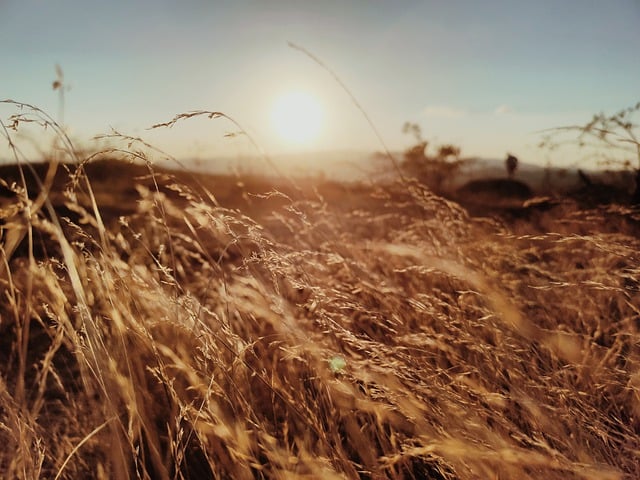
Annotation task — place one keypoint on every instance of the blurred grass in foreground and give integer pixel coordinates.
(151, 329)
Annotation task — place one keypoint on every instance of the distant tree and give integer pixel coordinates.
(413, 129)
(414, 156)
(448, 152)
(435, 171)
(511, 163)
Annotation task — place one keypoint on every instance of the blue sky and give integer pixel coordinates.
(484, 75)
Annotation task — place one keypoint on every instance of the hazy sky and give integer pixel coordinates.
(485, 74)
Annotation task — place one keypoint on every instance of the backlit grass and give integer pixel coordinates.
(159, 327)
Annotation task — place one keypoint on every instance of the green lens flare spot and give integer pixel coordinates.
(337, 364)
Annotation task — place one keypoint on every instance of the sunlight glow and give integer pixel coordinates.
(297, 117)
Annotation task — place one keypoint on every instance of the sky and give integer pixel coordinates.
(484, 75)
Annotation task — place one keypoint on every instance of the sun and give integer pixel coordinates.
(297, 117)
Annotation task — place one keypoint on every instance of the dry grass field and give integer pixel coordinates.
(154, 325)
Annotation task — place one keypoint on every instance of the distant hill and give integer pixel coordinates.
(362, 166)
(542, 179)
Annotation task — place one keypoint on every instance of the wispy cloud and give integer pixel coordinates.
(503, 109)
(442, 111)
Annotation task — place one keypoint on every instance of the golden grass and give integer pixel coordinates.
(391, 337)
